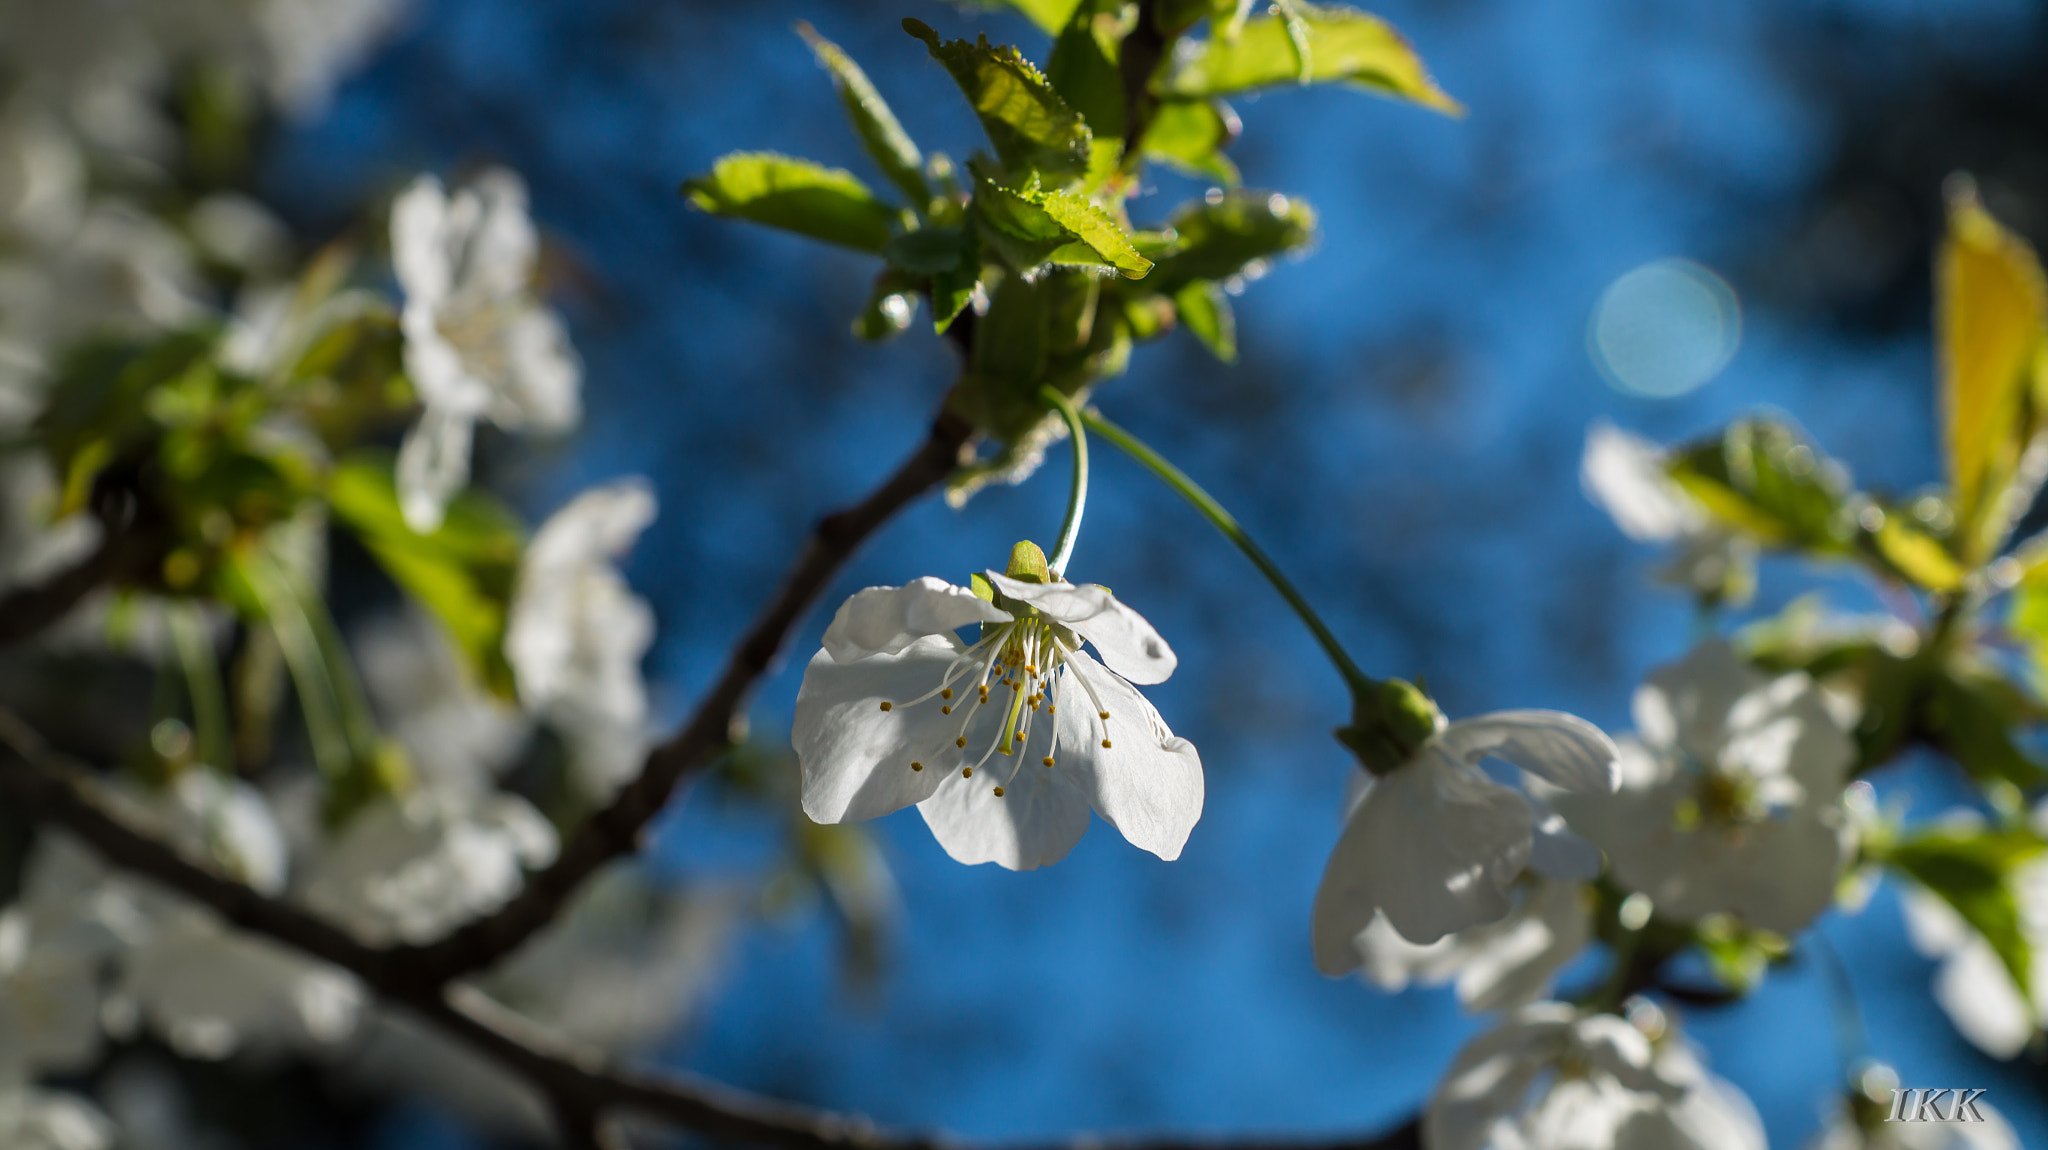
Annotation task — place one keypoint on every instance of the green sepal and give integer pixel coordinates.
(1390, 720)
(1032, 128)
(829, 204)
(982, 588)
(1027, 563)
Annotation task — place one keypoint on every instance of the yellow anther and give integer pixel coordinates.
(917, 766)
(1031, 668)
(999, 792)
(1105, 744)
(1103, 715)
(945, 710)
(961, 741)
(1047, 760)
(967, 772)
(885, 705)
(1049, 708)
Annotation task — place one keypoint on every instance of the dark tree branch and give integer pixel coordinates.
(615, 830)
(583, 1085)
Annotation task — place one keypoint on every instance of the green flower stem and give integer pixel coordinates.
(301, 648)
(202, 684)
(1213, 511)
(1077, 496)
(353, 704)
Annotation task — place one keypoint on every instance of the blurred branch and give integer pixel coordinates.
(615, 830)
(580, 1081)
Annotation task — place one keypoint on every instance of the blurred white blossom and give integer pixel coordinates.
(478, 344)
(1435, 845)
(1624, 474)
(875, 729)
(576, 632)
(409, 870)
(1731, 795)
(456, 735)
(32, 1118)
(1553, 1078)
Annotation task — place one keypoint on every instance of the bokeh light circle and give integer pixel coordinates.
(1664, 328)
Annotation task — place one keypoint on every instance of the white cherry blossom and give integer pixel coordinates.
(410, 870)
(213, 991)
(1435, 845)
(1005, 743)
(577, 632)
(1495, 965)
(1551, 1077)
(478, 345)
(1731, 795)
(456, 735)
(32, 1118)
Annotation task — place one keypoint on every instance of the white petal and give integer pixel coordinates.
(1126, 642)
(885, 620)
(1624, 474)
(1492, 1075)
(1685, 705)
(433, 464)
(1435, 844)
(1148, 782)
(418, 219)
(1519, 957)
(1558, 852)
(1561, 749)
(1982, 1000)
(1037, 820)
(856, 756)
(501, 244)
(546, 375)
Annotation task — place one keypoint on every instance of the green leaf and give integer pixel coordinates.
(1343, 45)
(1190, 136)
(1231, 234)
(1763, 479)
(1991, 304)
(1205, 312)
(1049, 15)
(1032, 128)
(1970, 869)
(1913, 552)
(889, 309)
(1970, 715)
(887, 143)
(1083, 67)
(927, 251)
(828, 204)
(463, 573)
(1031, 227)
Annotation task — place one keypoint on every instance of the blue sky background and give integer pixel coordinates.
(1403, 433)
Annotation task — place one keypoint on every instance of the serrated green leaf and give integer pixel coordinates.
(1343, 45)
(1971, 871)
(1190, 136)
(1092, 225)
(462, 573)
(829, 204)
(1763, 479)
(1231, 234)
(1032, 128)
(887, 143)
(1205, 312)
(1083, 68)
(1029, 227)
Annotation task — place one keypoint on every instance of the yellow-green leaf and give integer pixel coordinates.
(1032, 128)
(1989, 307)
(1343, 45)
(1049, 15)
(1205, 312)
(829, 204)
(887, 143)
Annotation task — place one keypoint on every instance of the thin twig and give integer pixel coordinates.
(615, 830)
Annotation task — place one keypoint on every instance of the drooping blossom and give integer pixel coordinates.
(1435, 845)
(1004, 743)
